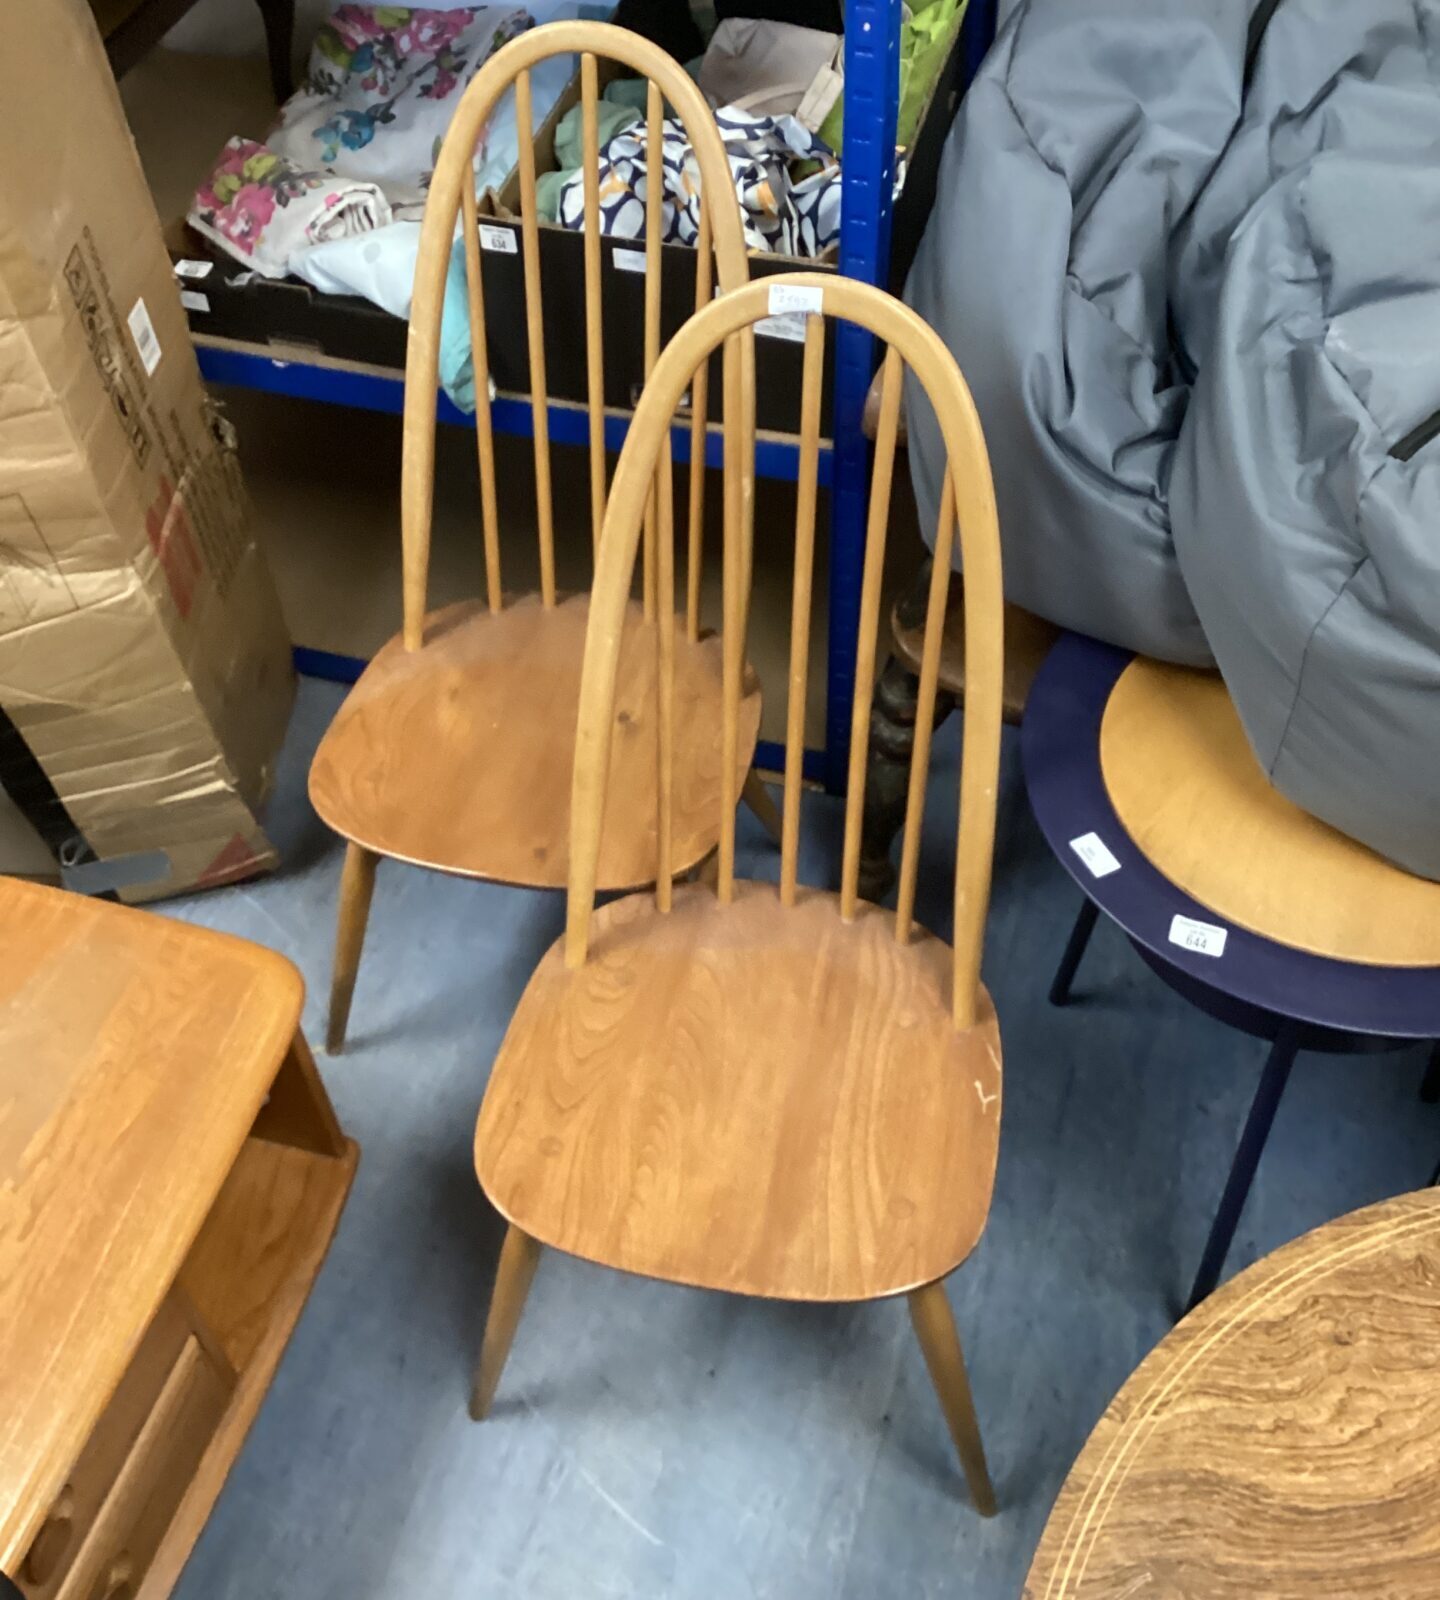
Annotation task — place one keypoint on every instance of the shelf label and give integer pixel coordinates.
(789, 325)
(628, 260)
(193, 269)
(1095, 853)
(500, 240)
(193, 300)
(1204, 938)
(142, 331)
(790, 297)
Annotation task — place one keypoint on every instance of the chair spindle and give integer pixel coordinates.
(594, 318)
(807, 494)
(480, 363)
(875, 529)
(535, 325)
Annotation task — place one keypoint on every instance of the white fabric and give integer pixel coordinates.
(380, 267)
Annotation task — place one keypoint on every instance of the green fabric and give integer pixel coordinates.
(633, 91)
(611, 117)
(621, 104)
(925, 41)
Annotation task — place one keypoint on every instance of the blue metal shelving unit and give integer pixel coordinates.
(872, 51)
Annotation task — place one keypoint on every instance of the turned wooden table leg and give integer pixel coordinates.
(887, 772)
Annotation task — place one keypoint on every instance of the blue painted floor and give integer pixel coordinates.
(667, 1444)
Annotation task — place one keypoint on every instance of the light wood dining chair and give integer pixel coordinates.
(453, 751)
(767, 1088)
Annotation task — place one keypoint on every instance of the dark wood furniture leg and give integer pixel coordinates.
(279, 18)
(887, 774)
(892, 743)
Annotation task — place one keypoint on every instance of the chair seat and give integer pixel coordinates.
(1188, 790)
(459, 755)
(747, 1097)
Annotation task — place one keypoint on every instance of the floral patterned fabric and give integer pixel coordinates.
(382, 88)
(261, 208)
(787, 181)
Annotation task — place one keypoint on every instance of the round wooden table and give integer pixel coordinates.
(1283, 1443)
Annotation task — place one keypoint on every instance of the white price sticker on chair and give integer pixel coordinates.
(1095, 853)
(1204, 938)
(500, 240)
(789, 297)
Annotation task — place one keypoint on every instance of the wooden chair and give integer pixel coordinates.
(768, 1089)
(453, 751)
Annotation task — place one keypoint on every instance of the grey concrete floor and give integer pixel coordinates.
(667, 1444)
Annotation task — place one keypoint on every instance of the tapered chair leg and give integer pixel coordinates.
(1247, 1157)
(519, 1256)
(757, 797)
(940, 1342)
(1074, 952)
(1430, 1086)
(357, 884)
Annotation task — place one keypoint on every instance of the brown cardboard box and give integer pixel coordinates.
(145, 674)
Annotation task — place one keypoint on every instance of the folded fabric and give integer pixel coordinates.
(610, 118)
(787, 182)
(774, 69)
(262, 209)
(926, 36)
(382, 87)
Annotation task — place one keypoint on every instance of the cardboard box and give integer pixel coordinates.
(145, 673)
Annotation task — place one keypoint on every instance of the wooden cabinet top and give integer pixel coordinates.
(135, 1052)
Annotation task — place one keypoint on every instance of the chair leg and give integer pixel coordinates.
(1430, 1087)
(519, 1256)
(1247, 1157)
(1074, 952)
(357, 884)
(757, 797)
(940, 1343)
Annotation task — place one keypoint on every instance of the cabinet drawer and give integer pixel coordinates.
(53, 1551)
(152, 1481)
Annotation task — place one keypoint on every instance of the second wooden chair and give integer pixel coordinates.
(453, 751)
(766, 1088)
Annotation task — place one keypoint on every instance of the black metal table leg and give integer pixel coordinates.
(1430, 1087)
(1247, 1157)
(1074, 950)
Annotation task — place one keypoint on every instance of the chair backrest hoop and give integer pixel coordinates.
(454, 172)
(971, 493)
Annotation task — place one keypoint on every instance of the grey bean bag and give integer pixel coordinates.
(1224, 414)
(1076, 152)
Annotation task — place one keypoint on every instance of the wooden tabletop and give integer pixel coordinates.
(1283, 1443)
(1185, 783)
(135, 1052)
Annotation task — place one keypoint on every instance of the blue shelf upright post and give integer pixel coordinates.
(872, 92)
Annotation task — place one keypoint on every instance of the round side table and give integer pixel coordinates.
(1266, 919)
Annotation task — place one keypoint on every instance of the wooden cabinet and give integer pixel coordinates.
(171, 1173)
